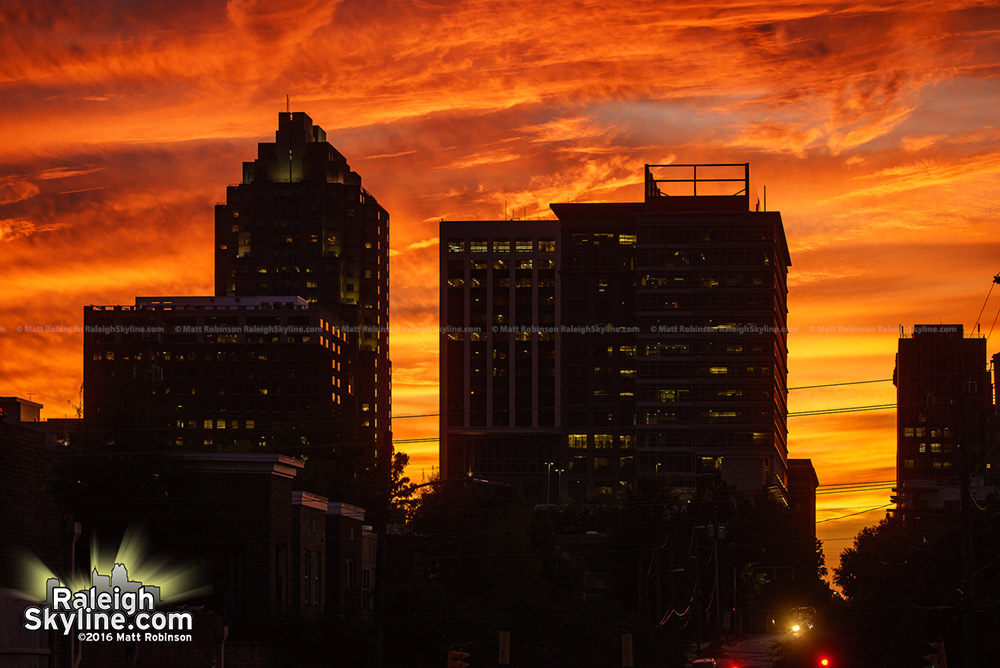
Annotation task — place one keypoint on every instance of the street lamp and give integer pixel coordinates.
(559, 473)
(548, 482)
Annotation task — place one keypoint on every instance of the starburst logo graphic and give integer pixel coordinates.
(114, 607)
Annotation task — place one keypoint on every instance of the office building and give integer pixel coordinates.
(662, 324)
(300, 223)
(500, 351)
(209, 373)
(943, 409)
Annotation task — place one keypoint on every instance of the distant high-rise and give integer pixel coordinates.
(293, 351)
(301, 224)
(622, 342)
(943, 406)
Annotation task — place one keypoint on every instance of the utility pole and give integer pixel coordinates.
(965, 462)
(969, 599)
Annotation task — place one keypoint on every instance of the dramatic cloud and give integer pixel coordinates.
(867, 124)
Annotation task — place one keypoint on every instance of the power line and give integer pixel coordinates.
(860, 512)
(853, 382)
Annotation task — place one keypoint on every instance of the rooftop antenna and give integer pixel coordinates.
(288, 105)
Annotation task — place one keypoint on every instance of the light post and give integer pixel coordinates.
(559, 473)
(697, 583)
(548, 482)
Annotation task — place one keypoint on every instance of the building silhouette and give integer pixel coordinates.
(943, 411)
(300, 223)
(622, 342)
(208, 373)
(292, 352)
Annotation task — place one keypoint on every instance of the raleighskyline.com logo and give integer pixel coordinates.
(113, 609)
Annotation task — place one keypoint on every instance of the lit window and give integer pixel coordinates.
(547, 245)
(501, 245)
(603, 440)
(525, 245)
(456, 246)
(477, 246)
(718, 370)
(577, 440)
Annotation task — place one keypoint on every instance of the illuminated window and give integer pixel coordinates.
(547, 245)
(908, 431)
(455, 246)
(501, 245)
(718, 370)
(208, 424)
(626, 239)
(603, 440)
(524, 264)
(577, 440)
(477, 246)
(525, 245)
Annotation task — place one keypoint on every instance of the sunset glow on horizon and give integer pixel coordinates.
(872, 126)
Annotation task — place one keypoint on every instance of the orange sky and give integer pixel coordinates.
(872, 124)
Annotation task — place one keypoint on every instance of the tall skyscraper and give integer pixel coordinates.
(301, 224)
(293, 351)
(662, 324)
(943, 406)
(500, 350)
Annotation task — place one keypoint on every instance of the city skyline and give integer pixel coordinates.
(866, 125)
